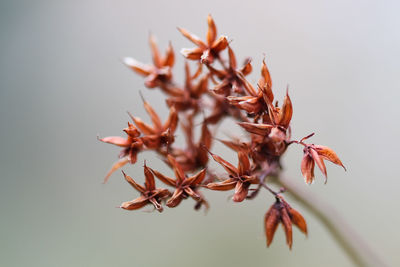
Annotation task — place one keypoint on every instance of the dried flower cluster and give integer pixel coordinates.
(216, 90)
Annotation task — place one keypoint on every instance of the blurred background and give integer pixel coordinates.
(62, 82)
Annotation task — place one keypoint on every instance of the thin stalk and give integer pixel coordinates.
(351, 243)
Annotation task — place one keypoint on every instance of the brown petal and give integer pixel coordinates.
(241, 191)
(271, 222)
(298, 220)
(196, 179)
(138, 67)
(307, 168)
(247, 68)
(244, 163)
(135, 204)
(212, 30)
(165, 179)
(256, 128)
(154, 50)
(144, 127)
(205, 140)
(192, 193)
(201, 87)
(153, 115)
(116, 140)
(149, 183)
(156, 205)
(175, 199)
(286, 112)
(222, 186)
(170, 57)
(219, 44)
(319, 161)
(265, 82)
(172, 120)
(227, 166)
(193, 38)
(328, 154)
(132, 182)
(287, 226)
(119, 164)
(232, 59)
(235, 145)
(193, 53)
(179, 173)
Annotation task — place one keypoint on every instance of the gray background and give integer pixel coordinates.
(62, 82)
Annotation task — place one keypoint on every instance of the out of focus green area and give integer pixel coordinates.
(62, 82)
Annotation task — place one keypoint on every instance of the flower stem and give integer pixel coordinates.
(351, 243)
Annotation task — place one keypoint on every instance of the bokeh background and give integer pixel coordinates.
(62, 82)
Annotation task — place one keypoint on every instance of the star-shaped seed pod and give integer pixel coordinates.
(149, 194)
(184, 186)
(194, 156)
(239, 179)
(206, 52)
(132, 145)
(159, 73)
(282, 212)
(159, 134)
(317, 154)
(190, 97)
(232, 78)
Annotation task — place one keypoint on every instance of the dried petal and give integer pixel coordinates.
(244, 163)
(286, 112)
(132, 182)
(256, 128)
(138, 67)
(298, 220)
(241, 191)
(319, 161)
(149, 183)
(222, 186)
(175, 199)
(328, 154)
(119, 164)
(287, 226)
(193, 38)
(212, 30)
(116, 140)
(307, 168)
(271, 222)
(135, 204)
(170, 57)
(165, 179)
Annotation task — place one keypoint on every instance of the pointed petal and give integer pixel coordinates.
(212, 30)
(119, 164)
(286, 112)
(135, 204)
(138, 67)
(116, 140)
(179, 173)
(170, 57)
(271, 222)
(298, 220)
(132, 131)
(307, 168)
(193, 38)
(244, 163)
(165, 179)
(172, 120)
(175, 199)
(144, 127)
(247, 68)
(149, 183)
(256, 128)
(192, 53)
(287, 226)
(328, 154)
(196, 179)
(241, 191)
(156, 205)
(153, 115)
(232, 59)
(154, 50)
(222, 186)
(265, 82)
(227, 166)
(192, 193)
(219, 44)
(235, 145)
(132, 182)
(319, 161)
